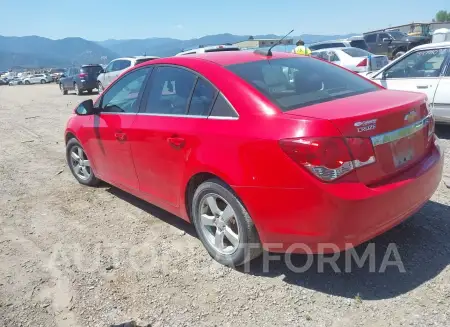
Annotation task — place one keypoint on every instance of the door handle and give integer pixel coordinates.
(422, 86)
(176, 142)
(121, 137)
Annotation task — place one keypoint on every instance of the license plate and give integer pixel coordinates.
(402, 151)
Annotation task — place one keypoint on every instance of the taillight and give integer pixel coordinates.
(82, 75)
(362, 63)
(329, 158)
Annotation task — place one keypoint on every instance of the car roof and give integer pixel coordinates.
(224, 58)
(432, 45)
(331, 41)
(136, 57)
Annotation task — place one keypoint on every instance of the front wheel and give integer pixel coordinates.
(79, 164)
(224, 225)
(100, 87)
(27, 82)
(43, 81)
(399, 54)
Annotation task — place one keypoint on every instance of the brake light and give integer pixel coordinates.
(362, 63)
(329, 158)
(82, 75)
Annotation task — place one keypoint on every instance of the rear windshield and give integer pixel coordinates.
(355, 52)
(140, 61)
(91, 69)
(359, 44)
(222, 49)
(292, 83)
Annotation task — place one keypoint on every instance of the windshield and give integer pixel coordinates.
(91, 69)
(397, 35)
(222, 49)
(355, 52)
(298, 82)
(140, 61)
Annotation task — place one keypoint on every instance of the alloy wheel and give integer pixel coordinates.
(80, 163)
(218, 224)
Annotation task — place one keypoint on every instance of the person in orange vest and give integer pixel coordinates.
(300, 49)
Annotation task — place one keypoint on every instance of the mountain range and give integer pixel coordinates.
(36, 51)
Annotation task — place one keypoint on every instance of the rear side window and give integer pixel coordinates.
(355, 52)
(170, 91)
(222, 108)
(361, 44)
(292, 83)
(91, 69)
(371, 38)
(202, 98)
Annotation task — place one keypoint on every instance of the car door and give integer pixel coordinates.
(110, 71)
(371, 40)
(419, 71)
(175, 106)
(382, 46)
(109, 139)
(103, 78)
(123, 65)
(116, 69)
(441, 100)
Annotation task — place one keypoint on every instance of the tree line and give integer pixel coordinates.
(442, 16)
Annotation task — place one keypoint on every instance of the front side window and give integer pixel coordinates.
(313, 81)
(383, 36)
(109, 67)
(122, 96)
(425, 63)
(170, 91)
(116, 65)
(124, 64)
(202, 98)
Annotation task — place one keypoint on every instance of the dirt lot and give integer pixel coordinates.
(78, 256)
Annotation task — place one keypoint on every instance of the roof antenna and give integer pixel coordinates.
(268, 53)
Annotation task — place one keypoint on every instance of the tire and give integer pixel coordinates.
(77, 90)
(85, 175)
(248, 246)
(43, 81)
(100, 87)
(89, 91)
(399, 54)
(27, 82)
(63, 90)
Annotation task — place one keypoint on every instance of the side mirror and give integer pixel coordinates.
(102, 71)
(85, 108)
(387, 40)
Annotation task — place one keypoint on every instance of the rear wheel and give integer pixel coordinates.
(100, 87)
(224, 225)
(63, 90)
(27, 82)
(79, 164)
(89, 91)
(77, 89)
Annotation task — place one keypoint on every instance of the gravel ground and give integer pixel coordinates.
(79, 256)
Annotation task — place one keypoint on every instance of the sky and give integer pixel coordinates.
(185, 19)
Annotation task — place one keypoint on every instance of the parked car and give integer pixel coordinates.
(117, 67)
(80, 79)
(355, 42)
(354, 59)
(348, 158)
(212, 48)
(425, 69)
(56, 73)
(15, 81)
(37, 79)
(392, 43)
(3, 81)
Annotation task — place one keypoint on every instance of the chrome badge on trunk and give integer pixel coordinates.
(366, 125)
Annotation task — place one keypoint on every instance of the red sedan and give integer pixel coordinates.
(280, 152)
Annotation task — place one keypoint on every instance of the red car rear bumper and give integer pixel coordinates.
(335, 217)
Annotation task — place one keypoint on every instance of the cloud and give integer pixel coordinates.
(179, 26)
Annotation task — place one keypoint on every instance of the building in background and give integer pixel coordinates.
(252, 43)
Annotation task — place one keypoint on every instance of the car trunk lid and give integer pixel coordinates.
(397, 123)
